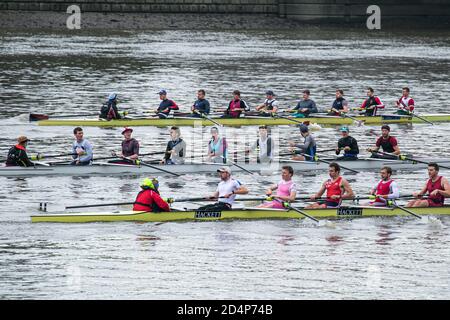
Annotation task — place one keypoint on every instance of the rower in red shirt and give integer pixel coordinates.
(371, 104)
(236, 106)
(148, 199)
(388, 143)
(437, 188)
(385, 190)
(337, 188)
(405, 104)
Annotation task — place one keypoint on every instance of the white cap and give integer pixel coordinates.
(224, 169)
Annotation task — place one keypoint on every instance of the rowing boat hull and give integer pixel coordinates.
(248, 214)
(118, 169)
(245, 121)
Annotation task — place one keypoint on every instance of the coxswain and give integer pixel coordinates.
(176, 148)
(81, 149)
(386, 190)
(286, 190)
(264, 146)
(201, 106)
(348, 144)
(340, 104)
(269, 106)
(17, 155)
(148, 199)
(307, 150)
(388, 143)
(371, 104)
(337, 188)
(109, 110)
(236, 106)
(217, 147)
(405, 104)
(304, 107)
(437, 188)
(130, 149)
(226, 191)
(166, 105)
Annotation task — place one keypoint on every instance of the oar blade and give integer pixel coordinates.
(38, 117)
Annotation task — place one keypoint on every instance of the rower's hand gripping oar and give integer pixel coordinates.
(208, 118)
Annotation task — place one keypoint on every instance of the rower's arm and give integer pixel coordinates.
(290, 198)
(423, 191)
(320, 192)
(396, 150)
(348, 191)
(241, 190)
(215, 195)
(446, 186)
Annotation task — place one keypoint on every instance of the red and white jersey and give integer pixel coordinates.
(406, 103)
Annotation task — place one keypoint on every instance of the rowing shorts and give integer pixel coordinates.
(431, 203)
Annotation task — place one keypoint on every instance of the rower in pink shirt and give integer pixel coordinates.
(286, 190)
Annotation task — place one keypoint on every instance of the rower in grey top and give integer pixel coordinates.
(305, 107)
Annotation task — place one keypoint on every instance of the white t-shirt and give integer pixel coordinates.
(226, 187)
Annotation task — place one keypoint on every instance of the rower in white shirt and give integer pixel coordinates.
(226, 191)
(385, 190)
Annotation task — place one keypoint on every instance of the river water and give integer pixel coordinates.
(376, 258)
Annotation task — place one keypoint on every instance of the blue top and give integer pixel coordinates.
(86, 146)
(202, 105)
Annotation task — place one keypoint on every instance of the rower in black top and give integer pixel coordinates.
(109, 110)
(348, 144)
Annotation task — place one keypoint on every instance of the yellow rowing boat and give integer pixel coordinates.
(243, 121)
(249, 213)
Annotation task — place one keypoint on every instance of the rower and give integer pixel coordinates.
(371, 104)
(17, 155)
(264, 145)
(340, 105)
(286, 190)
(109, 110)
(217, 147)
(226, 191)
(81, 148)
(269, 106)
(148, 199)
(387, 142)
(308, 147)
(130, 149)
(304, 107)
(437, 188)
(348, 144)
(176, 148)
(236, 106)
(337, 188)
(385, 190)
(201, 105)
(405, 104)
(166, 105)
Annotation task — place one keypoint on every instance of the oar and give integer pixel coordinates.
(38, 116)
(326, 161)
(414, 115)
(406, 210)
(40, 156)
(209, 118)
(287, 118)
(145, 164)
(235, 164)
(344, 115)
(404, 158)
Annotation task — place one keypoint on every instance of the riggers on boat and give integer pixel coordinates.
(246, 121)
(299, 166)
(248, 213)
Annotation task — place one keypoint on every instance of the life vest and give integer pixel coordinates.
(437, 185)
(16, 156)
(338, 104)
(269, 104)
(383, 188)
(144, 201)
(269, 146)
(333, 188)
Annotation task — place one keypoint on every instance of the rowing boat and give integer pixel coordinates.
(247, 213)
(244, 121)
(126, 169)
